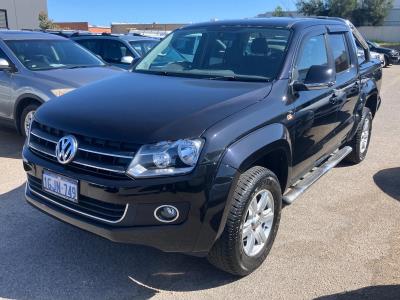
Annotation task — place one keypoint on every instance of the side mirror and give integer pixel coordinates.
(127, 60)
(318, 78)
(4, 65)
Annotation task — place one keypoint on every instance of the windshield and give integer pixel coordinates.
(52, 54)
(142, 47)
(222, 53)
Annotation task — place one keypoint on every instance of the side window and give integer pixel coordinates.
(113, 51)
(313, 52)
(361, 53)
(3, 55)
(92, 45)
(340, 52)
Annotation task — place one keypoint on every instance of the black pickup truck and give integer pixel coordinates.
(196, 148)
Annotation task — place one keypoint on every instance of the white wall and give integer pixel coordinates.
(23, 13)
(381, 33)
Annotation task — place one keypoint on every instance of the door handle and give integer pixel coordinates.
(333, 100)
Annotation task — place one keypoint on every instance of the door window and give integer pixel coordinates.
(340, 52)
(113, 51)
(92, 45)
(313, 52)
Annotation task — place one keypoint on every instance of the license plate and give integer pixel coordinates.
(61, 186)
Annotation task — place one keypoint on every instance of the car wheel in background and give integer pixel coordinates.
(386, 62)
(26, 118)
(252, 223)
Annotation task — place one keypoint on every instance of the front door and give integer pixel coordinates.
(5, 90)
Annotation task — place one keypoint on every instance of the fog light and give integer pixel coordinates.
(166, 213)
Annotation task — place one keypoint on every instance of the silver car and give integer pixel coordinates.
(36, 67)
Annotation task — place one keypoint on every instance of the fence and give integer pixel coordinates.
(381, 33)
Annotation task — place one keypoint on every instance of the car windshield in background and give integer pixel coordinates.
(221, 53)
(142, 47)
(52, 54)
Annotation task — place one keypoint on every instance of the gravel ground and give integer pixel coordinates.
(340, 240)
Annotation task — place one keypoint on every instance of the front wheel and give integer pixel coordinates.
(26, 118)
(252, 223)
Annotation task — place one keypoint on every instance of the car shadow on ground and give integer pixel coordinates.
(388, 180)
(382, 292)
(41, 258)
(11, 142)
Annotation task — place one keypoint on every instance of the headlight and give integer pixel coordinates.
(60, 92)
(166, 158)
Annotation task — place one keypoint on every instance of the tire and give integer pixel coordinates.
(386, 62)
(360, 143)
(229, 251)
(26, 113)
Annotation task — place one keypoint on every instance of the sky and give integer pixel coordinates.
(103, 12)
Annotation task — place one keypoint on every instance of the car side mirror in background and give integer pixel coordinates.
(127, 60)
(317, 78)
(4, 65)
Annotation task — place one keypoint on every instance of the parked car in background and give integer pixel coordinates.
(118, 50)
(378, 56)
(36, 66)
(391, 56)
(197, 147)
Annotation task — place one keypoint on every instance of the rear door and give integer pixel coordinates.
(347, 84)
(6, 106)
(314, 114)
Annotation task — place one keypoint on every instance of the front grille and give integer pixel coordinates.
(96, 156)
(87, 207)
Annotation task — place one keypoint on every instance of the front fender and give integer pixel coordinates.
(236, 159)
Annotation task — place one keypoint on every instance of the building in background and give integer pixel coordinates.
(162, 29)
(393, 18)
(84, 26)
(21, 14)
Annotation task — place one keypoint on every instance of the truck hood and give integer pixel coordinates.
(144, 108)
(78, 77)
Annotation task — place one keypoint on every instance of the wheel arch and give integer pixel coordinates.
(23, 101)
(257, 148)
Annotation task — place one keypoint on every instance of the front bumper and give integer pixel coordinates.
(194, 232)
(394, 59)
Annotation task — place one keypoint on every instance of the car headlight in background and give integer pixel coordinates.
(60, 92)
(166, 158)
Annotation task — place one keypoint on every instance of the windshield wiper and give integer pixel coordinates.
(82, 66)
(249, 78)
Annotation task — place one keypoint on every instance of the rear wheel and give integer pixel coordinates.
(360, 141)
(26, 118)
(252, 223)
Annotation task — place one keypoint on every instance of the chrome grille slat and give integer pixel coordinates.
(86, 148)
(94, 155)
(105, 168)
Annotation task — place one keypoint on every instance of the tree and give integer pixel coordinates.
(278, 12)
(45, 22)
(312, 7)
(360, 12)
(373, 12)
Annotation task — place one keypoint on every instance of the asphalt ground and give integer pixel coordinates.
(340, 240)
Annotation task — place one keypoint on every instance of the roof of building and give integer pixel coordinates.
(27, 35)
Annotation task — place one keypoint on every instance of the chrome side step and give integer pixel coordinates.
(302, 185)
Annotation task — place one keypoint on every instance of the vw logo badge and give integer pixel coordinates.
(66, 149)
